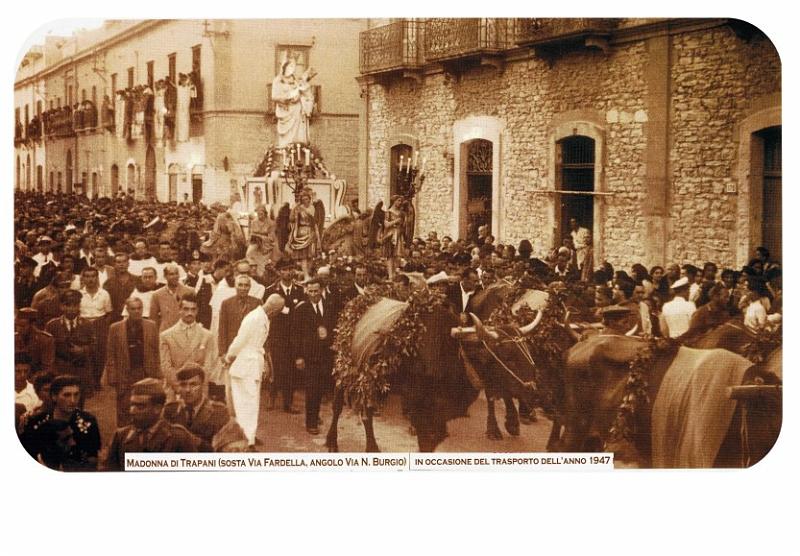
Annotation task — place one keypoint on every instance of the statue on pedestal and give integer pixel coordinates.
(294, 103)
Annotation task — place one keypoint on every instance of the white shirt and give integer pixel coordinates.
(676, 316)
(102, 276)
(145, 297)
(464, 297)
(135, 267)
(359, 289)
(28, 397)
(248, 346)
(694, 292)
(95, 305)
(41, 260)
(755, 316)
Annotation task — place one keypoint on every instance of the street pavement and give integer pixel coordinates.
(283, 432)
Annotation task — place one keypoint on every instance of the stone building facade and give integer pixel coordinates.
(661, 136)
(232, 125)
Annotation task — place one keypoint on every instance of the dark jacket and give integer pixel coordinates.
(208, 419)
(312, 335)
(165, 437)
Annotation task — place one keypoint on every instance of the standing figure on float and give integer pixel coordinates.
(304, 238)
(294, 103)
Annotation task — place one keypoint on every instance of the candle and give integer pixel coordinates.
(401, 162)
(298, 151)
(308, 157)
(408, 165)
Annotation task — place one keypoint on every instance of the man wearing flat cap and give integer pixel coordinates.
(37, 344)
(25, 283)
(148, 431)
(677, 314)
(193, 409)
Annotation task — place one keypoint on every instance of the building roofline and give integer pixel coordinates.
(92, 50)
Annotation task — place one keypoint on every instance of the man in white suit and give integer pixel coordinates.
(246, 358)
(185, 342)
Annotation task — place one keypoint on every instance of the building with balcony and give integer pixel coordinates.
(96, 95)
(661, 136)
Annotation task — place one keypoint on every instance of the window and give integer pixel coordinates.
(16, 115)
(113, 86)
(196, 60)
(51, 104)
(59, 102)
(94, 95)
(39, 108)
(83, 95)
(59, 181)
(130, 78)
(173, 72)
(298, 53)
(150, 76)
(39, 177)
(52, 183)
(27, 116)
(18, 171)
(69, 95)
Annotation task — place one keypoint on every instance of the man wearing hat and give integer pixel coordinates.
(193, 409)
(43, 256)
(75, 341)
(246, 358)
(46, 300)
(280, 333)
(25, 283)
(148, 431)
(677, 314)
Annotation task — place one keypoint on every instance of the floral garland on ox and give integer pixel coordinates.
(543, 342)
(366, 387)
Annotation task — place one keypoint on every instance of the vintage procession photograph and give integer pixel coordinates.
(505, 236)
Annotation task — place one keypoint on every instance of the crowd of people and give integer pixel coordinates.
(121, 294)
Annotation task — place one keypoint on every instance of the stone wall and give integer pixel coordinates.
(714, 77)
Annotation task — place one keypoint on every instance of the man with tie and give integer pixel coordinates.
(246, 358)
(233, 311)
(149, 432)
(120, 286)
(131, 355)
(165, 303)
(312, 326)
(193, 409)
(75, 341)
(360, 282)
(185, 342)
(280, 333)
(460, 295)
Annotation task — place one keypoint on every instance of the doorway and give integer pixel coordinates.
(477, 207)
(69, 172)
(150, 174)
(114, 180)
(575, 183)
(197, 188)
(772, 216)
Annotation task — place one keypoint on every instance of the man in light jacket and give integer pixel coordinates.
(246, 358)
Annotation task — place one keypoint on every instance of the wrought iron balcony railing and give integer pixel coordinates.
(451, 38)
(533, 31)
(390, 47)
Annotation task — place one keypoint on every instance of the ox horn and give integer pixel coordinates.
(633, 330)
(483, 332)
(528, 328)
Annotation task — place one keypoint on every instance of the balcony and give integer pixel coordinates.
(389, 48)
(548, 34)
(454, 39)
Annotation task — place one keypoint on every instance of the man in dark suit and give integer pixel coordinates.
(312, 335)
(120, 286)
(460, 295)
(194, 410)
(25, 283)
(280, 331)
(361, 281)
(38, 344)
(149, 432)
(233, 310)
(75, 341)
(132, 354)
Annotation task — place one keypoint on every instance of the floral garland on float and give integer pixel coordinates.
(365, 386)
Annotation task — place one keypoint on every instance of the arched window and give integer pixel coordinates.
(575, 158)
(114, 180)
(130, 181)
(398, 151)
(28, 173)
(19, 170)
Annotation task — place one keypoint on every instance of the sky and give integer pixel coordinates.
(61, 27)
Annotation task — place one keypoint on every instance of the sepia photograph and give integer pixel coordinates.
(550, 241)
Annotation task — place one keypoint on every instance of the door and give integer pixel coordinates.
(772, 218)
(69, 172)
(114, 180)
(478, 200)
(150, 174)
(197, 188)
(576, 185)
